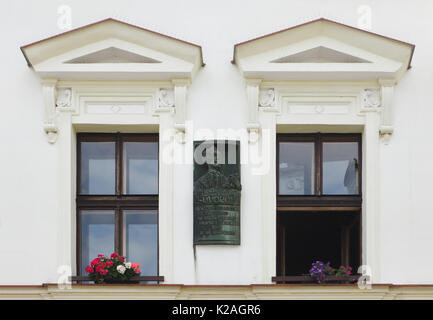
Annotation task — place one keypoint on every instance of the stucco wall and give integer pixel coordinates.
(216, 99)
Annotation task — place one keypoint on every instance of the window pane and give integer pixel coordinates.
(98, 167)
(340, 168)
(141, 239)
(296, 168)
(140, 167)
(97, 235)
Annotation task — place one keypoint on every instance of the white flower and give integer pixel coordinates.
(121, 269)
(128, 265)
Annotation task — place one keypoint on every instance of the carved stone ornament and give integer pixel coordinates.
(267, 98)
(217, 192)
(371, 98)
(64, 98)
(166, 98)
(52, 131)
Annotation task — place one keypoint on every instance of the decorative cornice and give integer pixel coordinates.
(251, 291)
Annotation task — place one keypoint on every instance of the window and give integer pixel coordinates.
(318, 201)
(117, 198)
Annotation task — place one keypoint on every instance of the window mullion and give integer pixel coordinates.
(118, 165)
(318, 164)
(117, 230)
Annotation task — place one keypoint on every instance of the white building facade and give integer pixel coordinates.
(332, 115)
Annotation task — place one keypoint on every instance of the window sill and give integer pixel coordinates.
(308, 279)
(133, 280)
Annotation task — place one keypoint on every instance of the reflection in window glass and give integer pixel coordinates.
(296, 168)
(340, 168)
(141, 239)
(141, 167)
(97, 235)
(98, 171)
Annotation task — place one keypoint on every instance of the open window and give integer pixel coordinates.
(318, 201)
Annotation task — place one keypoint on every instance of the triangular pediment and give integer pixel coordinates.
(323, 50)
(112, 55)
(113, 50)
(320, 55)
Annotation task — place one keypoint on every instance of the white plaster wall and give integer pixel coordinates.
(217, 99)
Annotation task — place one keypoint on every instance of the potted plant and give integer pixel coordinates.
(112, 270)
(323, 272)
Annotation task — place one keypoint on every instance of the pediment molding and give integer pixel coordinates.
(113, 50)
(323, 50)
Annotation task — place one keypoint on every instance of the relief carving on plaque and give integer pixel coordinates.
(217, 192)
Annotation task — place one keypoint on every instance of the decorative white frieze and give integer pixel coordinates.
(166, 98)
(267, 98)
(371, 99)
(318, 108)
(116, 108)
(64, 98)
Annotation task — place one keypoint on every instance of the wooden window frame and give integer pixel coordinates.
(119, 201)
(319, 200)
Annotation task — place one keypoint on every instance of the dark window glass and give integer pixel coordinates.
(340, 168)
(117, 200)
(296, 168)
(98, 167)
(319, 202)
(141, 167)
(97, 235)
(141, 239)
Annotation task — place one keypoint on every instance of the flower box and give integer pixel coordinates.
(113, 270)
(133, 280)
(308, 279)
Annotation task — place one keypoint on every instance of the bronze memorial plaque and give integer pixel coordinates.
(217, 192)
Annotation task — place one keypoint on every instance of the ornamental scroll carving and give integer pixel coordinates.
(371, 98)
(267, 98)
(64, 98)
(166, 98)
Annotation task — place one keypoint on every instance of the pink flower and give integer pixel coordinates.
(114, 255)
(109, 263)
(101, 256)
(137, 271)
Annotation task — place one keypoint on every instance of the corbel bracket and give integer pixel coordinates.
(180, 96)
(253, 125)
(387, 118)
(50, 121)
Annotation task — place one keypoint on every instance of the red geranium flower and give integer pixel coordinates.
(89, 269)
(95, 262)
(99, 267)
(114, 255)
